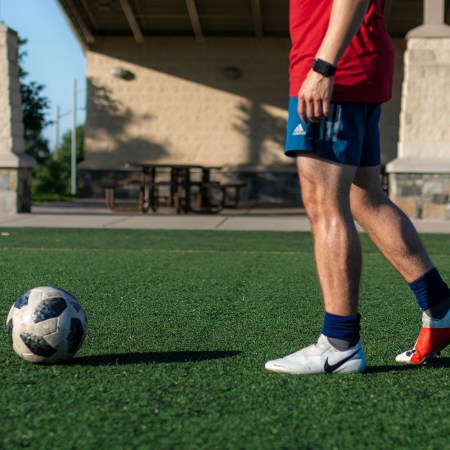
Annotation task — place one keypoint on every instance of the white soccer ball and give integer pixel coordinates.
(46, 325)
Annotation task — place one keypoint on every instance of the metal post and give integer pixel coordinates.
(73, 165)
(56, 147)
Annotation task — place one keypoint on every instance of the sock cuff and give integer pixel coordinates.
(342, 327)
(430, 289)
(431, 274)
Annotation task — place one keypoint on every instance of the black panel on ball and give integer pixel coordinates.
(10, 331)
(22, 300)
(37, 344)
(48, 309)
(75, 336)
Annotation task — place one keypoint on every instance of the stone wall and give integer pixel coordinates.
(423, 196)
(15, 165)
(15, 190)
(419, 177)
(426, 99)
(11, 127)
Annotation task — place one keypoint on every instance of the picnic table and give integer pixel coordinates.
(179, 181)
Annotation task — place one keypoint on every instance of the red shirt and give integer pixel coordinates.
(365, 71)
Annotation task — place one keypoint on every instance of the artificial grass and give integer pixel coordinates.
(180, 326)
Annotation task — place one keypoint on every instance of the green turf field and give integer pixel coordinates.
(180, 326)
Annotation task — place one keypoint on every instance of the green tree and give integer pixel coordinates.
(34, 109)
(64, 152)
(53, 176)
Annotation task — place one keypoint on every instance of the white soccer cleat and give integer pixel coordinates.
(320, 357)
(433, 337)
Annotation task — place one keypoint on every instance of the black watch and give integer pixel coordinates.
(324, 68)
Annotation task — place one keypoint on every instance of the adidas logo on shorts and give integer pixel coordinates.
(299, 131)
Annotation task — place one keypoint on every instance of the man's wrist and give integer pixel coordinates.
(323, 67)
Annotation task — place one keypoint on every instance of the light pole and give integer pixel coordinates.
(73, 163)
(58, 117)
(55, 148)
(73, 159)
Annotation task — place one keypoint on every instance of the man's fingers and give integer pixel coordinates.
(313, 108)
(326, 107)
(302, 110)
(310, 111)
(318, 110)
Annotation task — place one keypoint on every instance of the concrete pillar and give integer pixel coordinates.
(420, 175)
(15, 165)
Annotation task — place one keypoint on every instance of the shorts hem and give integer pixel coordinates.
(293, 152)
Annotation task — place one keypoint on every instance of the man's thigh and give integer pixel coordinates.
(325, 180)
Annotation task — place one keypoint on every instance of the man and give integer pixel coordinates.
(341, 71)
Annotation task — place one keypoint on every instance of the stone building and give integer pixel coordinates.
(15, 165)
(205, 81)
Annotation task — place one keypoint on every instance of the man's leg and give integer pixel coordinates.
(325, 190)
(326, 196)
(388, 227)
(396, 238)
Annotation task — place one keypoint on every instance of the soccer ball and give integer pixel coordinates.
(46, 325)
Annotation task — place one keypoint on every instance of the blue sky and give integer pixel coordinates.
(54, 58)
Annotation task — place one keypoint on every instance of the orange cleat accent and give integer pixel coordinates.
(433, 337)
(429, 342)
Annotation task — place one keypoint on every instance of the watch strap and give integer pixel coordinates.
(323, 67)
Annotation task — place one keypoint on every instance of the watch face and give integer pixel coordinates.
(320, 67)
(324, 68)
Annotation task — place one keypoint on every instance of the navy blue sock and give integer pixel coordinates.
(430, 290)
(342, 331)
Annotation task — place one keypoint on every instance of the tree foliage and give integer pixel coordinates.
(34, 110)
(54, 175)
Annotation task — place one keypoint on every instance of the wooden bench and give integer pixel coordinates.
(224, 190)
(110, 199)
(152, 195)
(149, 196)
(179, 196)
(235, 190)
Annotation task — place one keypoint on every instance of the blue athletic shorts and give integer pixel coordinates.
(350, 135)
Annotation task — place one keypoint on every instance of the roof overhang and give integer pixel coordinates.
(143, 19)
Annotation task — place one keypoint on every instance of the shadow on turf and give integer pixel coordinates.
(151, 357)
(440, 363)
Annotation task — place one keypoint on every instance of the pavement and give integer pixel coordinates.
(93, 214)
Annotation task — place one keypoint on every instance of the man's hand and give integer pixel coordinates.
(314, 97)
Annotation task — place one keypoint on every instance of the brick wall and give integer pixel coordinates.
(181, 107)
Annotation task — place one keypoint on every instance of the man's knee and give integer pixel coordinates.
(323, 205)
(313, 204)
(325, 188)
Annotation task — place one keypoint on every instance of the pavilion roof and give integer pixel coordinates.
(202, 19)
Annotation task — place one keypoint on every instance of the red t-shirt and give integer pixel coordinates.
(365, 71)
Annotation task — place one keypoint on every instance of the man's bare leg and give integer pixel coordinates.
(388, 227)
(396, 238)
(326, 196)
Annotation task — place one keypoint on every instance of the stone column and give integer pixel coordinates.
(15, 165)
(420, 176)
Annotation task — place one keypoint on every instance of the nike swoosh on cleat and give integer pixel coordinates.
(330, 368)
